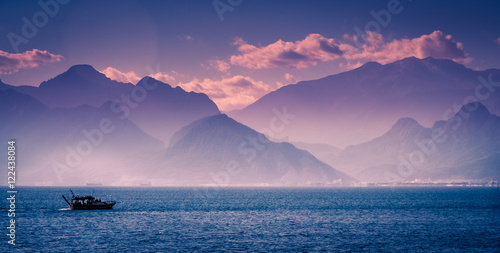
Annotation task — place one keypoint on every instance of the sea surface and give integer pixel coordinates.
(152, 219)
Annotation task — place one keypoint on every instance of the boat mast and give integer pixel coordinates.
(66, 200)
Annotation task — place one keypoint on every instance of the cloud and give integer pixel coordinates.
(132, 77)
(114, 74)
(229, 93)
(219, 65)
(163, 77)
(315, 49)
(12, 63)
(300, 54)
(290, 78)
(498, 41)
(436, 44)
(350, 65)
(188, 37)
(280, 84)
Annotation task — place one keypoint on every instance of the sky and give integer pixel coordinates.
(236, 51)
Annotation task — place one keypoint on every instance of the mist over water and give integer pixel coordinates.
(260, 219)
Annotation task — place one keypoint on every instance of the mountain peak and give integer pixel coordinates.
(431, 59)
(411, 62)
(371, 64)
(430, 63)
(405, 127)
(475, 107)
(147, 80)
(474, 114)
(405, 123)
(82, 75)
(76, 73)
(81, 68)
(211, 124)
(218, 119)
(83, 71)
(428, 60)
(205, 146)
(444, 64)
(410, 59)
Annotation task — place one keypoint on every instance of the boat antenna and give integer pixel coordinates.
(66, 201)
(71, 192)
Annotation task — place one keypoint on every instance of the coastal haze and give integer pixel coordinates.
(83, 127)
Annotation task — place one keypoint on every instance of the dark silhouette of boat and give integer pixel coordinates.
(87, 203)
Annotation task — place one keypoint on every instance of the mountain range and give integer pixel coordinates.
(82, 127)
(91, 142)
(217, 150)
(358, 105)
(464, 147)
(68, 144)
(154, 106)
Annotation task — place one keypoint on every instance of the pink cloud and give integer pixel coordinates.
(315, 48)
(229, 93)
(498, 41)
(280, 84)
(290, 78)
(350, 65)
(219, 65)
(12, 63)
(300, 54)
(163, 77)
(124, 77)
(132, 77)
(436, 44)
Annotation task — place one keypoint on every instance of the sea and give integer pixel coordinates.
(150, 219)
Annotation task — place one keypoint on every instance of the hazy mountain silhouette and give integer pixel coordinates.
(155, 107)
(44, 136)
(165, 110)
(79, 85)
(17, 110)
(217, 150)
(464, 147)
(51, 122)
(65, 146)
(361, 104)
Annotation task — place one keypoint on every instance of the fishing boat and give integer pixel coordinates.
(87, 203)
(94, 184)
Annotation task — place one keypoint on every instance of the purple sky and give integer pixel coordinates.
(237, 53)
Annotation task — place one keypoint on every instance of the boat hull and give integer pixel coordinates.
(92, 207)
